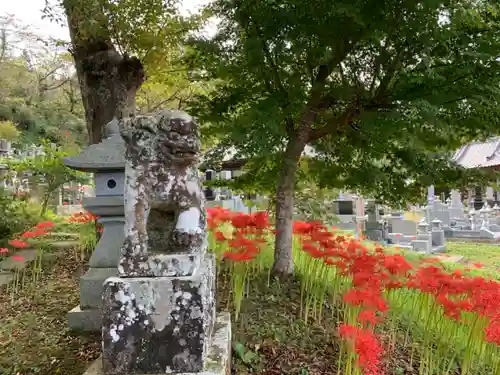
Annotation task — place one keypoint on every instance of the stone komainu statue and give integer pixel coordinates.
(164, 201)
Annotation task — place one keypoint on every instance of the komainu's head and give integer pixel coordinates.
(178, 138)
(166, 136)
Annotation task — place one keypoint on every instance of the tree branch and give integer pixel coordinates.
(314, 103)
(170, 98)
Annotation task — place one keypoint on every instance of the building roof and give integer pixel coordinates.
(479, 154)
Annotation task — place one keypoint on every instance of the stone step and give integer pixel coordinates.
(62, 234)
(65, 244)
(12, 262)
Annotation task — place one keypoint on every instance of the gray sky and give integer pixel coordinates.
(29, 13)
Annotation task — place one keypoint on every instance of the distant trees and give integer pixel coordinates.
(39, 93)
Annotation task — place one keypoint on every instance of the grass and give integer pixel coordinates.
(34, 338)
(483, 253)
(277, 342)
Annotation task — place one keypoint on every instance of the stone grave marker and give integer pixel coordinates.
(159, 314)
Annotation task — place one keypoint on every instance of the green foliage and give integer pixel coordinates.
(8, 131)
(38, 90)
(49, 171)
(314, 204)
(383, 91)
(18, 214)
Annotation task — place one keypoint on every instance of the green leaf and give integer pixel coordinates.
(239, 349)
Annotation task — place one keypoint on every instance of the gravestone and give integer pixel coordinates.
(373, 225)
(405, 227)
(423, 241)
(478, 200)
(159, 314)
(5, 147)
(490, 195)
(430, 195)
(106, 161)
(345, 207)
(456, 206)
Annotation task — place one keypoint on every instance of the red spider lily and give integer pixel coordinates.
(217, 216)
(366, 346)
(478, 265)
(17, 258)
(45, 225)
(241, 221)
(82, 217)
(240, 256)
(4, 250)
(260, 220)
(366, 298)
(18, 243)
(219, 236)
(34, 233)
(396, 264)
(301, 227)
(372, 273)
(248, 234)
(369, 316)
(28, 235)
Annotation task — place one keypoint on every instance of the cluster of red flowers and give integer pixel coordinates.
(39, 230)
(248, 235)
(82, 217)
(372, 272)
(20, 243)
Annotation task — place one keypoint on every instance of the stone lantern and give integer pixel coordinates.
(106, 161)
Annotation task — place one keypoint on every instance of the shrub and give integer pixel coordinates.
(8, 131)
(17, 215)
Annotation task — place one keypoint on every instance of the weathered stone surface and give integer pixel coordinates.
(108, 155)
(163, 196)
(159, 324)
(105, 206)
(84, 320)
(218, 359)
(107, 251)
(91, 287)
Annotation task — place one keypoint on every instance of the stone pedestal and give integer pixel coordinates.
(171, 317)
(217, 360)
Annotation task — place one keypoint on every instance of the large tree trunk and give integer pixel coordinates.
(108, 80)
(283, 257)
